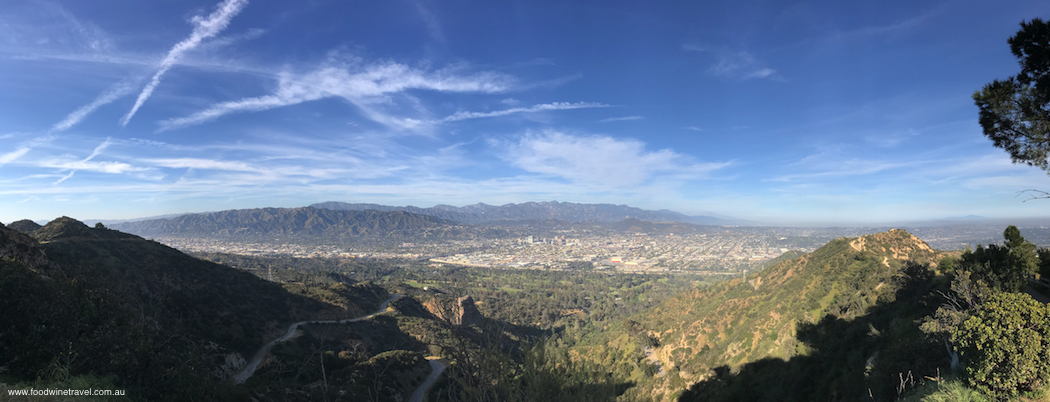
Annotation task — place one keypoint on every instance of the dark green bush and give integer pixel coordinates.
(1006, 344)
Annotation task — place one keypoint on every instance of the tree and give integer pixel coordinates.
(1015, 112)
(1003, 267)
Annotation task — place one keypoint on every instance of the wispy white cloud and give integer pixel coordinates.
(463, 115)
(203, 29)
(740, 65)
(693, 128)
(199, 163)
(86, 34)
(11, 156)
(885, 30)
(890, 140)
(46, 24)
(87, 164)
(364, 86)
(851, 167)
(836, 161)
(115, 92)
(430, 19)
(760, 73)
(104, 167)
(625, 118)
(251, 34)
(601, 161)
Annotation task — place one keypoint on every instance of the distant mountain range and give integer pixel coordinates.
(546, 210)
(306, 221)
(338, 220)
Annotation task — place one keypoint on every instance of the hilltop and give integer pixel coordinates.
(24, 226)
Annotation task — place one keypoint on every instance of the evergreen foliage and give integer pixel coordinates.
(1015, 112)
(1004, 267)
(1007, 344)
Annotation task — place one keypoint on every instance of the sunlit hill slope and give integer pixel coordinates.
(778, 314)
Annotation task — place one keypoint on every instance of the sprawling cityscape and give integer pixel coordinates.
(719, 250)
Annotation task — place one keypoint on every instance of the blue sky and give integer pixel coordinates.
(781, 112)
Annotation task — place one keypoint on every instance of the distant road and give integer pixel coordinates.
(437, 366)
(243, 376)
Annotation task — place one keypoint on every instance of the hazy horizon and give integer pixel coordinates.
(941, 221)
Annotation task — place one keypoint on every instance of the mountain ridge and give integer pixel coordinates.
(302, 221)
(544, 210)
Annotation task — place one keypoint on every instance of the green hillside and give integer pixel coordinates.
(779, 315)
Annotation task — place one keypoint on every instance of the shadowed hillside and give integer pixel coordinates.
(94, 301)
(24, 226)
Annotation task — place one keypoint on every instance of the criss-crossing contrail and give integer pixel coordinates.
(205, 28)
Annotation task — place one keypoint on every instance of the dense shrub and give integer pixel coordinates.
(1006, 343)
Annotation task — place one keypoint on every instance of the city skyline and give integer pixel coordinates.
(780, 114)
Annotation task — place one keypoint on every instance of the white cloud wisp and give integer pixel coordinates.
(458, 116)
(361, 86)
(625, 118)
(602, 161)
(86, 164)
(740, 65)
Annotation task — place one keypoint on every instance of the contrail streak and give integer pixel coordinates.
(113, 93)
(205, 28)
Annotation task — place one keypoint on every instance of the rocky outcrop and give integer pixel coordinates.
(461, 312)
(468, 313)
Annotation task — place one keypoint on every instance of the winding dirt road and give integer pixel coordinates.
(243, 376)
(437, 365)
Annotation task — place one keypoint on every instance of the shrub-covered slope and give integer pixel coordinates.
(770, 315)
